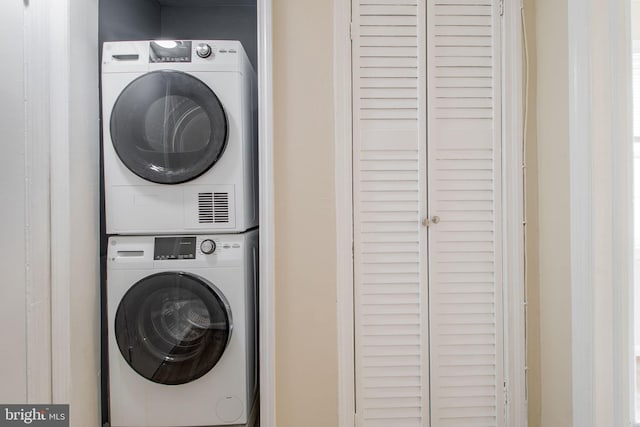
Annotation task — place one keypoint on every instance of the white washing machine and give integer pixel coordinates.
(182, 329)
(180, 137)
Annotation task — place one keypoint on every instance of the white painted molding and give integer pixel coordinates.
(38, 231)
(344, 210)
(581, 245)
(622, 216)
(59, 90)
(267, 223)
(513, 233)
(601, 212)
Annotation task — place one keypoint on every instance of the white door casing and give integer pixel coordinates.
(427, 127)
(70, 19)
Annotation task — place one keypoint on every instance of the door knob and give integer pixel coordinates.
(434, 220)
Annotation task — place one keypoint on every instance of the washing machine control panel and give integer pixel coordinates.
(181, 247)
(176, 252)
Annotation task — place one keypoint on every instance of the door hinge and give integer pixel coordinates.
(501, 7)
(506, 397)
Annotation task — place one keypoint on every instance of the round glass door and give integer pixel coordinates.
(168, 127)
(173, 327)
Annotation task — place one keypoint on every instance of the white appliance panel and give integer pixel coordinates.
(135, 205)
(225, 394)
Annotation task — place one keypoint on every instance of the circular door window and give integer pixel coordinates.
(173, 327)
(168, 127)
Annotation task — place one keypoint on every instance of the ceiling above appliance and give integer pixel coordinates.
(205, 3)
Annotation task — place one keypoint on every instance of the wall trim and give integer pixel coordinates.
(267, 295)
(601, 212)
(38, 230)
(514, 296)
(581, 235)
(623, 245)
(59, 92)
(343, 143)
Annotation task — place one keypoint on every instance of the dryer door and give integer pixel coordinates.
(168, 127)
(173, 327)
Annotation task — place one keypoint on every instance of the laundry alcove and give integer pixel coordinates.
(122, 20)
(126, 20)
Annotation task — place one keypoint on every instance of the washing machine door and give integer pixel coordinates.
(173, 327)
(168, 127)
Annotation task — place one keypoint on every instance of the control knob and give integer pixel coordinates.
(208, 246)
(203, 50)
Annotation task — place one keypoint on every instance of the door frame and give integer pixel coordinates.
(343, 146)
(513, 206)
(267, 294)
(63, 24)
(601, 209)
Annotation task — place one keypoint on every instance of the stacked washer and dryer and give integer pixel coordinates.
(181, 213)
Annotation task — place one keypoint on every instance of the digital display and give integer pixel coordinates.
(174, 248)
(169, 51)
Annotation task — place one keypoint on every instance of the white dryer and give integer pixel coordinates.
(182, 329)
(180, 137)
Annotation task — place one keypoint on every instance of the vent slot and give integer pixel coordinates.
(221, 207)
(213, 208)
(205, 208)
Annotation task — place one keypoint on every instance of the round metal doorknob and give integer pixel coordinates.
(434, 220)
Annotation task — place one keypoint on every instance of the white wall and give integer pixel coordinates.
(13, 211)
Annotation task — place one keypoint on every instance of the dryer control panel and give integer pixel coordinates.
(181, 55)
(169, 51)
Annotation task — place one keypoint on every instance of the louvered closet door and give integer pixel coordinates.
(428, 322)
(464, 159)
(389, 67)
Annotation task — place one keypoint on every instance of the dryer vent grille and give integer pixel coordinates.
(213, 208)
(221, 207)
